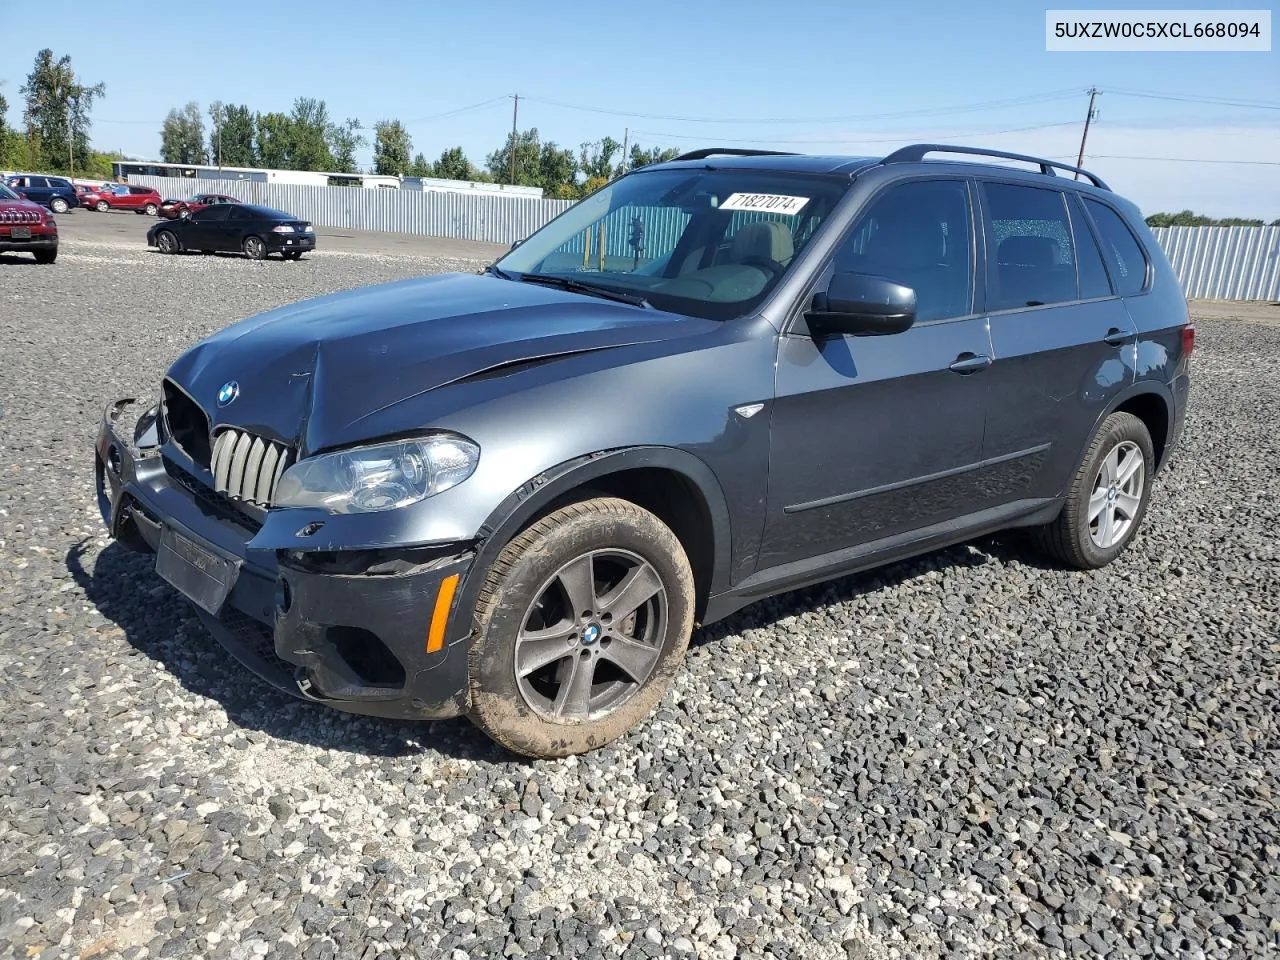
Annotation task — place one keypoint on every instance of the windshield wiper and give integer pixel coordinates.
(495, 271)
(579, 286)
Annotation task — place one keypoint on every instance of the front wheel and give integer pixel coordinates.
(45, 256)
(254, 248)
(102, 206)
(166, 242)
(1107, 498)
(58, 205)
(580, 626)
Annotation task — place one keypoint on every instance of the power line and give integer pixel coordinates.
(1249, 163)
(1190, 98)
(851, 118)
(818, 137)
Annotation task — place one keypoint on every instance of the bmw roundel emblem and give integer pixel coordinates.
(228, 392)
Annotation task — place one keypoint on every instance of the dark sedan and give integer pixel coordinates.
(247, 228)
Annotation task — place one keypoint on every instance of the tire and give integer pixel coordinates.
(45, 256)
(102, 206)
(292, 254)
(150, 209)
(255, 248)
(167, 242)
(1107, 498)
(58, 205)
(608, 540)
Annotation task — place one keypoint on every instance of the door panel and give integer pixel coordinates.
(874, 436)
(1056, 366)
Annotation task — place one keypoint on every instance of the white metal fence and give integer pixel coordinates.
(1227, 263)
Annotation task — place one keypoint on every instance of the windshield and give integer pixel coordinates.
(7, 194)
(709, 243)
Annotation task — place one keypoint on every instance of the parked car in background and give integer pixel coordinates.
(56, 193)
(121, 196)
(255, 230)
(513, 495)
(25, 226)
(175, 209)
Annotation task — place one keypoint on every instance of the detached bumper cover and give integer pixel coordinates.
(348, 630)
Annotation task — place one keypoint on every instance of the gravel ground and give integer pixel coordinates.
(968, 754)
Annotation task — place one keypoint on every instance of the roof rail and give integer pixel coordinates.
(730, 152)
(916, 152)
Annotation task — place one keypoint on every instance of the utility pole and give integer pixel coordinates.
(218, 126)
(515, 113)
(626, 139)
(1093, 92)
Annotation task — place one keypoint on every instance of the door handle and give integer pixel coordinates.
(970, 363)
(1117, 337)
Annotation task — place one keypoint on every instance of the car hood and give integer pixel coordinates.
(20, 206)
(308, 372)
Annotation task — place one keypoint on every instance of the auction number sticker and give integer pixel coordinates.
(765, 203)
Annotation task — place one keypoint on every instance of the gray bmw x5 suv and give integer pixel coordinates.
(514, 495)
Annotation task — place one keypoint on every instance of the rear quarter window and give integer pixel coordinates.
(1126, 260)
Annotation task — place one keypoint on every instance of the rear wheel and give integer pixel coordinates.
(102, 206)
(150, 209)
(45, 256)
(254, 248)
(292, 254)
(166, 242)
(58, 205)
(581, 624)
(1107, 498)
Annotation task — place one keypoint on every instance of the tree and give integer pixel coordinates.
(391, 148)
(182, 136)
(343, 140)
(643, 158)
(274, 132)
(308, 136)
(237, 136)
(557, 172)
(526, 159)
(596, 159)
(56, 113)
(454, 165)
(421, 167)
(1187, 218)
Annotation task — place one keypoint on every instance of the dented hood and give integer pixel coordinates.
(307, 372)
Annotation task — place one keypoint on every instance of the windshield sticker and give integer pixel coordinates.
(765, 203)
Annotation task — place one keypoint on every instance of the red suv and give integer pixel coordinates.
(27, 226)
(175, 209)
(119, 196)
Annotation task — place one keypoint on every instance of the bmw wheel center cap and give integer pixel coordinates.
(591, 634)
(228, 392)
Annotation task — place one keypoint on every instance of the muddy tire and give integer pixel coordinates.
(1107, 498)
(580, 626)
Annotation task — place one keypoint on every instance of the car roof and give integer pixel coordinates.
(777, 162)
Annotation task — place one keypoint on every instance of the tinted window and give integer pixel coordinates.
(1093, 275)
(1030, 256)
(210, 213)
(265, 213)
(59, 184)
(1123, 253)
(917, 234)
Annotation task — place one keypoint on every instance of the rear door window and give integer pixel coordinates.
(1120, 248)
(1030, 254)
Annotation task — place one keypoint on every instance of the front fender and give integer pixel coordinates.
(533, 497)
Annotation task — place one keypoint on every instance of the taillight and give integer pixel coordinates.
(1188, 339)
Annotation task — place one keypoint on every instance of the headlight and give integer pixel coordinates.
(381, 477)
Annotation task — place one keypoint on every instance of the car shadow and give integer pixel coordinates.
(19, 260)
(158, 622)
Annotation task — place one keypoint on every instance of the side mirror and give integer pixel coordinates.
(862, 305)
(515, 244)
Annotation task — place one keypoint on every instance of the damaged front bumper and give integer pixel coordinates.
(366, 631)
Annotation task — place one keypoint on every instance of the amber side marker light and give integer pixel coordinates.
(440, 616)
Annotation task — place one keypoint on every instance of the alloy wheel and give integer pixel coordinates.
(592, 636)
(1117, 494)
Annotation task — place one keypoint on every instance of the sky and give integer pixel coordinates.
(814, 76)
